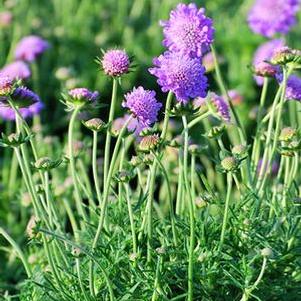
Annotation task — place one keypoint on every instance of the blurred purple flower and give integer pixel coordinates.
(5, 18)
(188, 30)
(143, 105)
(181, 74)
(268, 17)
(274, 168)
(221, 106)
(28, 102)
(30, 47)
(115, 62)
(236, 97)
(16, 70)
(264, 53)
(6, 85)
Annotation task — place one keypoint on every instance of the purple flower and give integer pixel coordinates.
(235, 97)
(5, 18)
(188, 30)
(181, 74)
(28, 102)
(265, 53)
(16, 70)
(83, 94)
(143, 105)
(134, 125)
(30, 47)
(115, 62)
(274, 167)
(293, 89)
(268, 17)
(221, 106)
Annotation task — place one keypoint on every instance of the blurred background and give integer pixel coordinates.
(77, 30)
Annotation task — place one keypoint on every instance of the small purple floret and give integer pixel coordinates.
(16, 70)
(143, 105)
(293, 89)
(181, 74)
(83, 94)
(221, 106)
(188, 30)
(30, 48)
(115, 62)
(269, 17)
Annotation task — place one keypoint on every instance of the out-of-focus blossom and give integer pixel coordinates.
(269, 17)
(6, 85)
(143, 105)
(208, 62)
(63, 73)
(221, 106)
(188, 30)
(30, 48)
(235, 97)
(181, 74)
(274, 167)
(83, 95)
(293, 89)
(16, 70)
(5, 18)
(115, 62)
(263, 54)
(134, 126)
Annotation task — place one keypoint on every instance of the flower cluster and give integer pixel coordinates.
(181, 74)
(188, 30)
(143, 105)
(269, 17)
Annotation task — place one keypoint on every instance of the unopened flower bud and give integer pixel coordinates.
(95, 124)
(239, 150)
(285, 55)
(149, 143)
(229, 163)
(266, 252)
(200, 202)
(287, 134)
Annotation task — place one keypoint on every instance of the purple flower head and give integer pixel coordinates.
(268, 17)
(264, 53)
(30, 47)
(115, 62)
(143, 105)
(221, 106)
(6, 85)
(28, 102)
(274, 167)
(83, 95)
(16, 70)
(293, 89)
(188, 30)
(181, 74)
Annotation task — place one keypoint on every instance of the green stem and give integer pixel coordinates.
(78, 198)
(191, 211)
(18, 251)
(108, 135)
(226, 210)
(77, 263)
(196, 120)
(94, 167)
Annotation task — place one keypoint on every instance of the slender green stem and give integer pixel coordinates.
(191, 211)
(82, 288)
(196, 120)
(156, 284)
(108, 135)
(18, 251)
(131, 217)
(166, 115)
(94, 167)
(78, 198)
(226, 210)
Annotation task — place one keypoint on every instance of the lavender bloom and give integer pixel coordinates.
(181, 74)
(235, 97)
(268, 17)
(28, 102)
(293, 89)
(265, 53)
(115, 62)
(188, 30)
(221, 106)
(16, 70)
(143, 105)
(5, 18)
(30, 47)
(83, 94)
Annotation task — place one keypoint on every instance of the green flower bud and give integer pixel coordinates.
(229, 163)
(95, 124)
(149, 143)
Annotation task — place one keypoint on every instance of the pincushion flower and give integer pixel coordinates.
(28, 103)
(188, 30)
(263, 54)
(6, 85)
(115, 62)
(16, 70)
(269, 17)
(143, 105)
(30, 48)
(83, 96)
(221, 106)
(180, 74)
